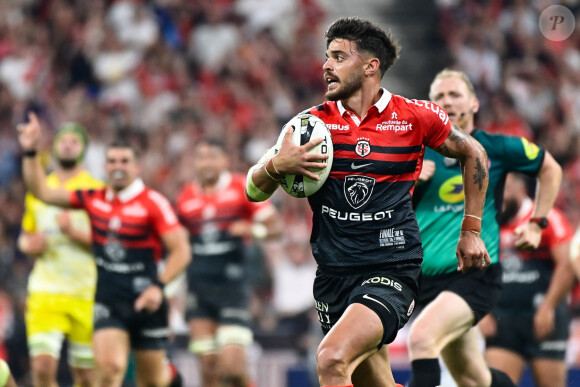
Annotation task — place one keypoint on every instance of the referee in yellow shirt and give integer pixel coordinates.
(61, 286)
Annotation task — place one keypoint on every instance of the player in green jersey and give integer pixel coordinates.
(453, 302)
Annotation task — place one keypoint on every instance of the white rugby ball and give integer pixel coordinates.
(307, 127)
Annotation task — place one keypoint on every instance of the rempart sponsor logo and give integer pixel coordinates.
(337, 127)
(395, 126)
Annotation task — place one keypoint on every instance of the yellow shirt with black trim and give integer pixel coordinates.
(66, 267)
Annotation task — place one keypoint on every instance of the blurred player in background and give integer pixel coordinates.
(220, 220)
(61, 286)
(367, 246)
(530, 322)
(454, 302)
(132, 225)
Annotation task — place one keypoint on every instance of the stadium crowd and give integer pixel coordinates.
(164, 73)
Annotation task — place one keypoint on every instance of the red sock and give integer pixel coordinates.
(398, 385)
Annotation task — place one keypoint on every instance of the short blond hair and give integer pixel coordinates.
(448, 73)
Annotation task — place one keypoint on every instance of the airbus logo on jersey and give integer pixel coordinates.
(337, 127)
(362, 147)
(358, 189)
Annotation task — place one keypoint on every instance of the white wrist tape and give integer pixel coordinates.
(252, 190)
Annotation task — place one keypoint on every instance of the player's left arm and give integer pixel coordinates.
(548, 183)
(179, 256)
(471, 250)
(560, 285)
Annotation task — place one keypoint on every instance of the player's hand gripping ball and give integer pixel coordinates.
(307, 127)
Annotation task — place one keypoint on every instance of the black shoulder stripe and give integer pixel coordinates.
(320, 107)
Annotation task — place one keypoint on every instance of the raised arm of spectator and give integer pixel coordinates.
(549, 179)
(471, 250)
(34, 177)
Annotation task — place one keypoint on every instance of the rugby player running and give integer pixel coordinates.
(131, 226)
(367, 246)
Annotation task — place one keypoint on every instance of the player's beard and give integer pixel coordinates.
(346, 89)
(67, 164)
(510, 210)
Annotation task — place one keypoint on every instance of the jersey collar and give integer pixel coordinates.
(381, 104)
(128, 193)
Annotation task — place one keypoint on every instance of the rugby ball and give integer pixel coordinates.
(307, 127)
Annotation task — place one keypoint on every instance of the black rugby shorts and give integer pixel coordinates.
(388, 291)
(515, 332)
(146, 330)
(478, 287)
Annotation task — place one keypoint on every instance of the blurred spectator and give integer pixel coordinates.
(504, 119)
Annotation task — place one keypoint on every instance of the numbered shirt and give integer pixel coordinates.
(127, 229)
(440, 201)
(362, 215)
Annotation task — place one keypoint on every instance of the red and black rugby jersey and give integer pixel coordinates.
(363, 214)
(528, 273)
(126, 230)
(208, 218)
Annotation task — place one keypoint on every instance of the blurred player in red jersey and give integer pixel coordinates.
(131, 226)
(219, 218)
(530, 322)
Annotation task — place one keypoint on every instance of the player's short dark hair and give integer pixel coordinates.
(367, 36)
(123, 143)
(213, 142)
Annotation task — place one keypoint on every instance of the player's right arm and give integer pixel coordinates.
(34, 176)
(264, 177)
(471, 251)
